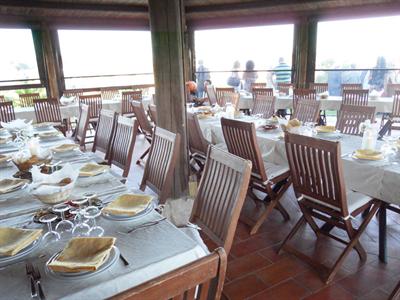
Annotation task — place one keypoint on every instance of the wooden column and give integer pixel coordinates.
(304, 51)
(166, 21)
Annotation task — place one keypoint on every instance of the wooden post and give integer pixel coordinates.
(166, 21)
(304, 52)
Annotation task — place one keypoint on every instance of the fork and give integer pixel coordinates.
(29, 272)
(37, 277)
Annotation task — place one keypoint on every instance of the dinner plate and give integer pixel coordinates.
(17, 188)
(6, 260)
(109, 261)
(152, 205)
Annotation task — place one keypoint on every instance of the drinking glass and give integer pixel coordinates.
(92, 212)
(64, 225)
(80, 227)
(51, 235)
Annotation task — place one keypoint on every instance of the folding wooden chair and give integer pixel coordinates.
(152, 112)
(258, 85)
(391, 88)
(268, 178)
(225, 95)
(263, 105)
(220, 197)
(48, 110)
(351, 116)
(283, 87)
(109, 93)
(2, 98)
(317, 175)
(355, 97)
(123, 142)
(160, 164)
(95, 104)
(319, 87)
(303, 94)
(307, 111)
(7, 113)
(211, 94)
(395, 295)
(104, 132)
(82, 126)
(127, 98)
(26, 100)
(351, 86)
(144, 125)
(395, 114)
(262, 91)
(202, 279)
(73, 93)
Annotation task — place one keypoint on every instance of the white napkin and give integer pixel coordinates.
(16, 125)
(67, 100)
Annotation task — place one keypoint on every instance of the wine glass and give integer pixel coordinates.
(51, 235)
(80, 228)
(89, 196)
(64, 225)
(92, 212)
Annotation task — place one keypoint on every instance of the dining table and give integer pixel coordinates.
(377, 179)
(151, 245)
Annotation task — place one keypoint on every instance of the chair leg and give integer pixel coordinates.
(268, 209)
(283, 211)
(296, 227)
(396, 293)
(140, 160)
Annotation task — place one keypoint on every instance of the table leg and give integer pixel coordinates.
(382, 234)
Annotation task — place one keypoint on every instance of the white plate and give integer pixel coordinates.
(120, 218)
(110, 260)
(6, 260)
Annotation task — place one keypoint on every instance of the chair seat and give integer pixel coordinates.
(355, 200)
(272, 170)
(195, 236)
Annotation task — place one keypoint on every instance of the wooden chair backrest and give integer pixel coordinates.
(7, 113)
(258, 85)
(220, 196)
(141, 117)
(351, 116)
(2, 98)
(241, 140)
(355, 97)
(222, 94)
(319, 87)
(109, 93)
(83, 124)
(229, 97)
(303, 94)
(121, 150)
(160, 164)
(264, 104)
(211, 94)
(391, 88)
(73, 93)
(152, 111)
(26, 100)
(283, 87)
(396, 105)
(351, 86)
(316, 170)
(94, 102)
(104, 131)
(262, 91)
(307, 111)
(127, 98)
(197, 142)
(201, 279)
(47, 110)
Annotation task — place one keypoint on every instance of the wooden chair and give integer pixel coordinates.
(144, 125)
(152, 112)
(73, 93)
(48, 110)
(95, 104)
(211, 94)
(355, 97)
(127, 98)
(229, 97)
(7, 113)
(264, 104)
(82, 127)
(105, 131)
(283, 87)
(159, 168)
(307, 111)
(318, 87)
(351, 116)
(26, 100)
(258, 85)
(224, 95)
(109, 93)
(220, 197)
(395, 114)
(395, 295)
(351, 86)
(270, 179)
(198, 145)
(123, 143)
(202, 279)
(391, 88)
(303, 94)
(262, 91)
(317, 174)
(2, 98)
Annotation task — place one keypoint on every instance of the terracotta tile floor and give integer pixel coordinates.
(256, 271)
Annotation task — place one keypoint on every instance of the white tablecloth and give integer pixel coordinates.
(378, 179)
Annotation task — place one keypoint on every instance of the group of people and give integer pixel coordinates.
(282, 74)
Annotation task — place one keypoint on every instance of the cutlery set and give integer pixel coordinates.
(34, 276)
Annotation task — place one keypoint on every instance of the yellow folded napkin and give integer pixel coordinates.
(368, 154)
(65, 148)
(4, 158)
(92, 169)
(325, 129)
(49, 134)
(83, 254)
(8, 185)
(13, 240)
(128, 204)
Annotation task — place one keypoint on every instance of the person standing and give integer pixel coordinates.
(282, 72)
(234, 79)
(378, 75)
(202, 74)
(249, 75)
